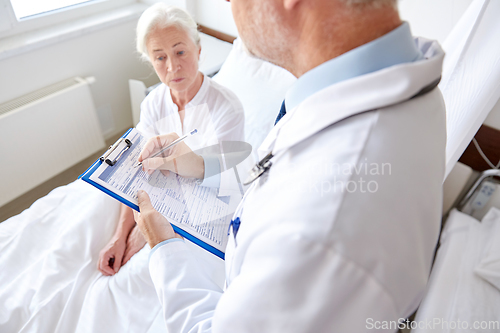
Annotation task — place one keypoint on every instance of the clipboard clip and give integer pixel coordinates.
(112, 148)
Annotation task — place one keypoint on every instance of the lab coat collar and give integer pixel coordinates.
(396, 47)
(344, 99)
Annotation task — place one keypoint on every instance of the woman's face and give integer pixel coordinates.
(174, 56)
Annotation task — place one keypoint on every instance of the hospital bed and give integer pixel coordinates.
(463, 292)
(464, 285)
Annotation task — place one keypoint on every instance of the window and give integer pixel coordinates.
(25, 8)
(20, 16)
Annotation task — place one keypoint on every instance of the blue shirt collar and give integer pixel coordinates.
(393, 48)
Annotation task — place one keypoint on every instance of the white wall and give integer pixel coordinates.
(215, 14)
(432, 19)
(108, 55)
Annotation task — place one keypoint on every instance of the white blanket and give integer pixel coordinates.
(49, 280)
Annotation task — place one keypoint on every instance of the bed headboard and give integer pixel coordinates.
(217, 34)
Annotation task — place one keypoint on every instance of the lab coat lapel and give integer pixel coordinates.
(360, 94)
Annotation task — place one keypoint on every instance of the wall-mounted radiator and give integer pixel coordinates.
(44, 133)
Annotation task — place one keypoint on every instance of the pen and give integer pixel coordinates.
(170, 145)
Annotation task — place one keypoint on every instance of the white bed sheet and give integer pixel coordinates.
(456, 292)
(49, 280)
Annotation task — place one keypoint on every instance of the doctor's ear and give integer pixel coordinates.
(290, 4)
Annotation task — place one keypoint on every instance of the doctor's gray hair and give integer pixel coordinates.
(372, 3)
(162, 16)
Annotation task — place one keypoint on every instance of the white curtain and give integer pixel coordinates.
(471, 75)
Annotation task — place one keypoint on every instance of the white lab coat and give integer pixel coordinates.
(314, 253)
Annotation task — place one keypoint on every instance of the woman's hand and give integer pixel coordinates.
(110, 258)
(179, 159)
(135, 242)
(152, 224)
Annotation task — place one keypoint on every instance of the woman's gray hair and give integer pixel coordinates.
(162, 16)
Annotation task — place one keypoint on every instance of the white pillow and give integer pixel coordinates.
(261, 88)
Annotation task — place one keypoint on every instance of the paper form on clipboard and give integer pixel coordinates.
(195, 212)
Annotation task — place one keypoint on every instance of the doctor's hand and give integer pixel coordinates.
(154, 226)
(179, 159)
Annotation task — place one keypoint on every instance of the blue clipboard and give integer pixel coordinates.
(86, 177)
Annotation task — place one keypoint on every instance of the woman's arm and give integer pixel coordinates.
(110, 257)
(126, 222)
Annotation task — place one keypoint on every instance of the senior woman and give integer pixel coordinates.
(168, 38)
(48, 276)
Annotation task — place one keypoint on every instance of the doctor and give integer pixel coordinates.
(338, 235)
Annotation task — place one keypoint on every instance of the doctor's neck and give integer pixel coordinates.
(328, 29)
